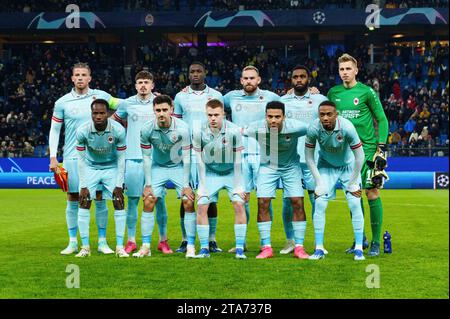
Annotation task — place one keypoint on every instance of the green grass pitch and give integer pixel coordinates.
(33, 231)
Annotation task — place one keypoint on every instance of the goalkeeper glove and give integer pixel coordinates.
(378, 178)
(61, 178)
(378, 163)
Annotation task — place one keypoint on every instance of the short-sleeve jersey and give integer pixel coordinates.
(305, 109)
(74, 110)
(101, 147)
(246, 109)
(278, 148)
(190, 105)
(218, 150)
(136, 112)
(166, 144)
(335, 146)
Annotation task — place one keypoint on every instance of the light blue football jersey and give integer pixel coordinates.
(166, 144)
(336, 146)
(285, 149)
(190, 105)
(246, 109)
(305, 109)
(218, 150)
(75, 110)
(101, 147)
(136, 112)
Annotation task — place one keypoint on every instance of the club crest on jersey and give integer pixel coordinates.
(224, 141)
(310, 102)
(93, 97)
(110, 139)
(261, 97)
(173, 138)
(339, 138)
(238, 107)
(288, 138)
(356, 101)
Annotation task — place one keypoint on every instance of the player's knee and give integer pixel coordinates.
(188, 205)
(73, 197)
(118, 205)
(98, 195)
(202, 209)
(86, 204)
(372, 194)
(149, 203)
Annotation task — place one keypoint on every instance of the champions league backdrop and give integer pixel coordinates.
(269, 19)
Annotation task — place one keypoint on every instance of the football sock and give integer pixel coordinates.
(212, 228)
(319, 221)
(101, 218)
(287, 218)
(203, 235)
(362, 209)
(132, 216)
(147, 225)
(120, 218)
(240, 231)
(299, 232)
(312, 200)
(190, 222)
(72, 219)
(161, 218)
(84, 217)
(376, 219)
(264, 232)
(354, 204)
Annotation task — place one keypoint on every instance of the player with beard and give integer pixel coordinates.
(300, 105)
(246, 106)
(73, 110)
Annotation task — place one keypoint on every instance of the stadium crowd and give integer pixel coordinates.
(412, 85)
(177, 5)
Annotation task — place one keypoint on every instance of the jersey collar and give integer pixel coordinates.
(138, 100)
(307, 95)
(74, 93)
(107, 130)
(257, 93)
(191, 91)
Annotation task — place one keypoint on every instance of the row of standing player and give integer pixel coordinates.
(246, 106)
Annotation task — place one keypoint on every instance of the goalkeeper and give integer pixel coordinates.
(360, 104)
